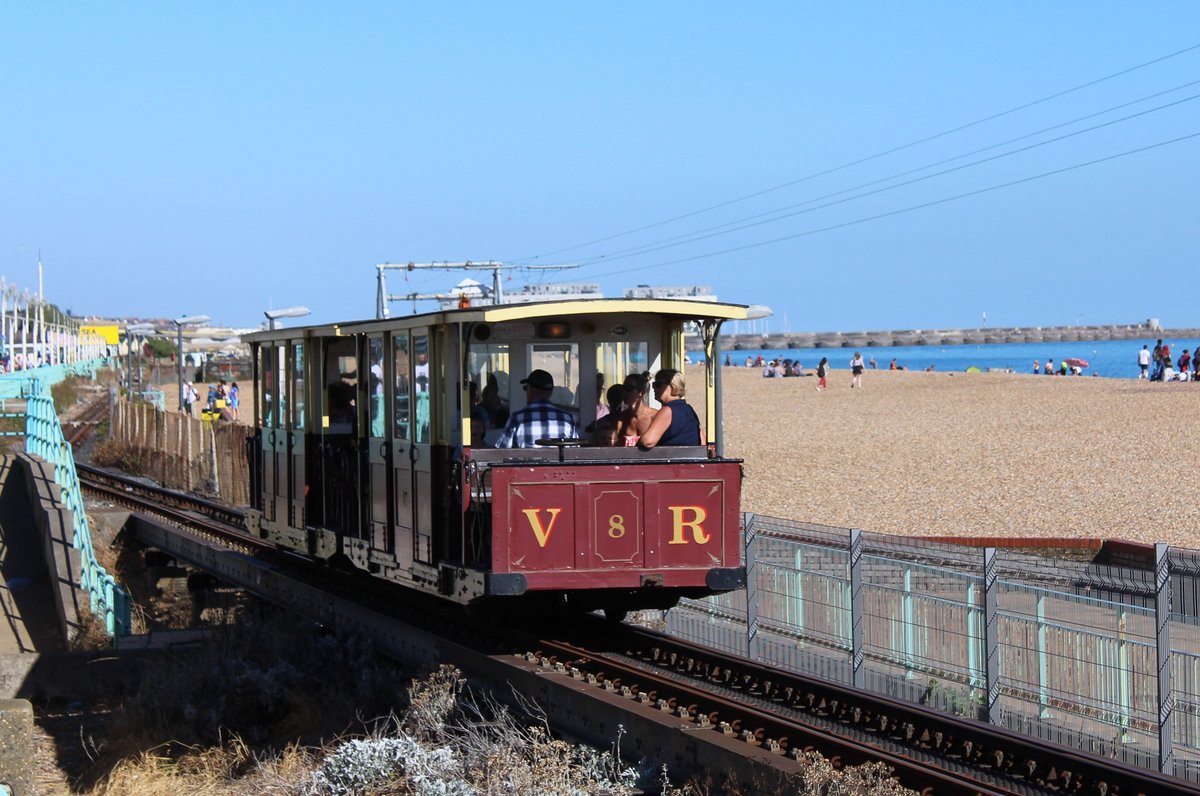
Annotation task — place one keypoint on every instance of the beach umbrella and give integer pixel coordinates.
(1076, 362)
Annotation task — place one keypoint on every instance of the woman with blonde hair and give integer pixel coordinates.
(676, 423)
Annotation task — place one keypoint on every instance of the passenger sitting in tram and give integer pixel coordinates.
(604, 430)
(676, 423)
(539, 419)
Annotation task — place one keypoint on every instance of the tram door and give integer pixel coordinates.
(267, 419)
(402, 473)
(426, 385)
(280, 435)
(296, 515)
(378, 447)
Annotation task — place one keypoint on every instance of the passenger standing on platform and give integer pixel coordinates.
(540, 419)
(856, 368)
(822, 372)
(676, 423)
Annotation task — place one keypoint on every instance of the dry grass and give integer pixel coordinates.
(917, 453)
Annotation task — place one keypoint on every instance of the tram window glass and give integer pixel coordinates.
(282, 382)
(375, 385)
(400, 364)
(618, 359)
(420, 347)
(298, 386)
(488, 365)
(560, 360)
(267, 399)
(341, 385)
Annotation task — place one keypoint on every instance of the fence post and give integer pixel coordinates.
(856, 609)
(798, 597)
(991, 634)
(1042, 659)
(1162, 615)
(1124, 675)
(909, 622)
(752, 644)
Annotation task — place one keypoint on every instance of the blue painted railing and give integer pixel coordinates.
(44, 439)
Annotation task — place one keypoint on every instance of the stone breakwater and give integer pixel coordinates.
(942, 337)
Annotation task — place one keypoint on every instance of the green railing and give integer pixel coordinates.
(44, 439)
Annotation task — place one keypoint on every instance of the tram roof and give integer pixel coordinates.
(681, 309)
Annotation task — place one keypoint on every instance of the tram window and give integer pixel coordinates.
(616, 360)
(282, 383)
(267, 398)
(298, 386)
(488, 366)
(560, 360)
(400, 363)
(421, 376)
(375, 385)
(341, 385)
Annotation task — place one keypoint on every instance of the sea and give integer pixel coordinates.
(1108, 359)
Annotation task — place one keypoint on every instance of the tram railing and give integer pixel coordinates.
(44, 439)
(1098, 656)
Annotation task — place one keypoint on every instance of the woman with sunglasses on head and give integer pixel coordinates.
(676, 423)
(636, 418)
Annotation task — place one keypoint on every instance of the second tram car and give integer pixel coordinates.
(364, 453)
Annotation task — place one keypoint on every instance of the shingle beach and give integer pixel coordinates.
(971, 454)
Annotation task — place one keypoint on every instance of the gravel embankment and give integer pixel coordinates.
(971, 454)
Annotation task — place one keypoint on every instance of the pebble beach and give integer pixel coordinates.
(970, 454)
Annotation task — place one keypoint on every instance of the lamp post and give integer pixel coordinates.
(131, 333)
(179, 324)
(286, 312)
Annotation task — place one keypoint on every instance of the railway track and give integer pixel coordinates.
(733, 706)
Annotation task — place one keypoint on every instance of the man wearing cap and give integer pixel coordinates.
(540, 419)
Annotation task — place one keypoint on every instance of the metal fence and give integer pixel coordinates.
(1100, 657)
(44, 439)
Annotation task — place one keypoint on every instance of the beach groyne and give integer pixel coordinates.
(944, 337)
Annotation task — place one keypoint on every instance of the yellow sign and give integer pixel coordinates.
(110, 332)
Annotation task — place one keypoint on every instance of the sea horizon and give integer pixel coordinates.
(1106, 358)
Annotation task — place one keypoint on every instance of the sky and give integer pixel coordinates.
(859, 165)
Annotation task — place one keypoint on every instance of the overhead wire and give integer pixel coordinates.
(695, 235)
(868, 158)
(780, 215)
(909, 209)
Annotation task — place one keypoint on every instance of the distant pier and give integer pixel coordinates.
(944, 337)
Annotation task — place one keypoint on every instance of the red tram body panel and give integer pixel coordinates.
(663, 525)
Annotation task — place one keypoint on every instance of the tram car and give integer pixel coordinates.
(374, 447)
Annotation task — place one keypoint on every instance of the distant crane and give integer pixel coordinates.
(383, 298)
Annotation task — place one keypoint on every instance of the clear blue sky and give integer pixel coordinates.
(221, 158)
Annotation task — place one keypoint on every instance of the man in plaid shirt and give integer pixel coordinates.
(540, 419)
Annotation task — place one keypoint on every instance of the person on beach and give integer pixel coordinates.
(893, 365)
(638, 415)
(235, 399)
(822, 372)
(1037, 368)
(676, 423)
(1185, 361)
(1049, 367)
(856, 368)
(872, 364)
(1144, 362)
